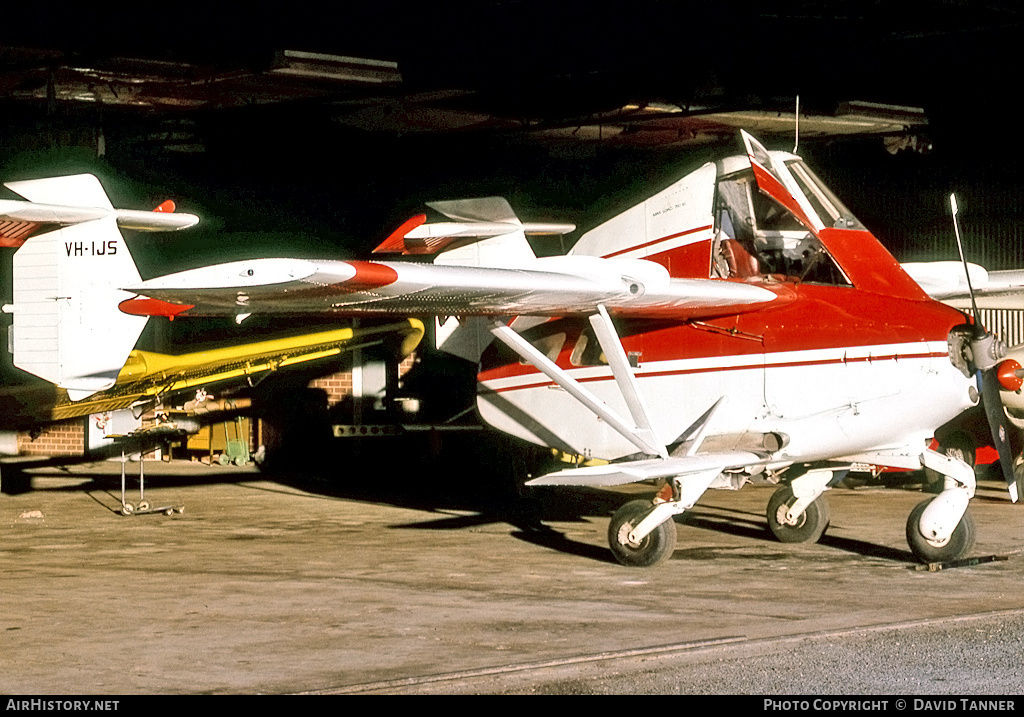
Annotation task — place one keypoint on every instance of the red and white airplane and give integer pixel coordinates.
(739, 323)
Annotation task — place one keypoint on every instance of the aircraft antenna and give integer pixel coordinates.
(796, 132)
(963, 260)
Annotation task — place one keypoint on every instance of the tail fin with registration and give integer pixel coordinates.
(67, 327)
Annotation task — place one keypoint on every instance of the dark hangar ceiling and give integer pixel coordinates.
(647, 74)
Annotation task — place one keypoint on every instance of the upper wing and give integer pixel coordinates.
(553, 286)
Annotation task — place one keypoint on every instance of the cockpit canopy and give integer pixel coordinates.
(755, 236)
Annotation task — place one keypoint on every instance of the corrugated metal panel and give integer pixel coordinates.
(1006, 324)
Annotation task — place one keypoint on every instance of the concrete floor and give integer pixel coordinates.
(384, 584)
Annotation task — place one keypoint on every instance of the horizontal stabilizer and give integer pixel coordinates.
(154, 221)
(474, 220)
(77, 190)
(482, 230)
(76, 199)
(651, 469)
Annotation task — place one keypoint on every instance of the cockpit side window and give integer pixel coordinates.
(733, 212)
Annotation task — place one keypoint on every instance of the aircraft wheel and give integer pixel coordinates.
(808, 528)
(653, 549)
(127, 509)
(143, 505)
(935, 551)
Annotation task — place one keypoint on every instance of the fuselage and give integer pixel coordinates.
(854, 357)
(838, 371)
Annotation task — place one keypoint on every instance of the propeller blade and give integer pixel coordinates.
(986, 356)
(997, 423)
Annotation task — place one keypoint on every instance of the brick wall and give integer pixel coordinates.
(339, 385)
(62, 439)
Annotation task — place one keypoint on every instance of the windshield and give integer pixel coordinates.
(831, 212)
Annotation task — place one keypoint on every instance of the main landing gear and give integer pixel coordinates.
(798, 512)
(653, 548)
(642, 533)
(790, 526)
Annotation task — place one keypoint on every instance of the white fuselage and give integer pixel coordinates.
(829, 402)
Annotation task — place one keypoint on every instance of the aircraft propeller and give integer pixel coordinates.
(986, 358)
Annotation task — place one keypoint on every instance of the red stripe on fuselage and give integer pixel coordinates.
(738, 367)
(656, 241)
(815, 318)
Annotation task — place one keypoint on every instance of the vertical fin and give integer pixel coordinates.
(67, 326)
(673, 222)
(503, 251)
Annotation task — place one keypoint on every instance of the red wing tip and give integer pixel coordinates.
(166, 207)
(395, 243)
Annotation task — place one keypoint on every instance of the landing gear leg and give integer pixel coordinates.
(940, 529)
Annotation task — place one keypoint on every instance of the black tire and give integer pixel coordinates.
(653, 549)
(927, 551)
(809, 527)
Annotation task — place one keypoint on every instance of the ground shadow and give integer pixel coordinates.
(463, 479)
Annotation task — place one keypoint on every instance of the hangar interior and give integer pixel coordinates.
(316, 137)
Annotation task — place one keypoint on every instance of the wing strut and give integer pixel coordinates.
(641, 434)
(624, 378)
